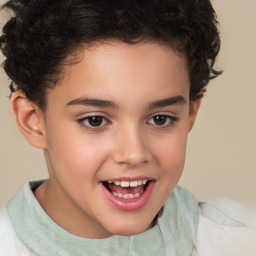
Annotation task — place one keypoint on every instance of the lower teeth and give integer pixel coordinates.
(126, 196)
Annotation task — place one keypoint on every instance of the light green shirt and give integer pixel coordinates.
(173, 235)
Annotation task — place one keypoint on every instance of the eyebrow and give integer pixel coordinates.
(110, 104)
(93, 102)
(167, 102)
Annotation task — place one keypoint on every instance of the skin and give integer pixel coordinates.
(128, 143)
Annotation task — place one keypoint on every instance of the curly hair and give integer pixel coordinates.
(42, 34)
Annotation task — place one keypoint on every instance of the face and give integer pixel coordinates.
(115, 130)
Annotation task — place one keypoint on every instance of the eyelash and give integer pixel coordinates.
(84, 122)
(171, 121)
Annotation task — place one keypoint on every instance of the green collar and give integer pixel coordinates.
(174, 234)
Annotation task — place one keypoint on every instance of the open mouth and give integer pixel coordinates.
(128, 195)
(127, 189)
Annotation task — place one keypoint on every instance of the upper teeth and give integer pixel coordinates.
(126, 184)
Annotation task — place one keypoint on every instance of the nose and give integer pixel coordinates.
(131, 148)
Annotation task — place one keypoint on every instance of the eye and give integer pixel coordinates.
(162, 120)
(93, 121)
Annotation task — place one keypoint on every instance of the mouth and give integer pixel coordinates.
(128, 195)
(127, 189)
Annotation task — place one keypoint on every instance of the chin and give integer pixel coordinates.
(128, 230)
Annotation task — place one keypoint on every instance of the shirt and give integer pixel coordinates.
(185, 228)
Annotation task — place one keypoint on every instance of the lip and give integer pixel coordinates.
(131, 178)
(131, 204)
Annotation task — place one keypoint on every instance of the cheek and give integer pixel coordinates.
(75, 156)
(172, 152)
(76, 166)
(172, 164)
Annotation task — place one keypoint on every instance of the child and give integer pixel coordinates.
(109, 90)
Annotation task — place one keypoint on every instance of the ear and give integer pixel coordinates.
(29, 119)
(193, 110)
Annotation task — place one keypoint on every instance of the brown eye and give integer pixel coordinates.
(93, 121)
(160, 120)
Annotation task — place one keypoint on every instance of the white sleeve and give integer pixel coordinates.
(10, 244)
(223, 232)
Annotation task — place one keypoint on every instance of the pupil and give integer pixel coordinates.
(160, 120)
(95, 120)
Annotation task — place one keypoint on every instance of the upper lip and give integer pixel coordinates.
(130, 178)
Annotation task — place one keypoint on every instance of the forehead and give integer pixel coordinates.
(115, 69)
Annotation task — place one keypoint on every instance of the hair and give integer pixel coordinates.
(41, 35)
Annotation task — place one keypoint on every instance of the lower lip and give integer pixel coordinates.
(131, 204)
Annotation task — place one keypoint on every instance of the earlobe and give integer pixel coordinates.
(193, 110)
(29, 119)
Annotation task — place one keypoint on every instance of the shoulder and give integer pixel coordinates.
(225, 229)
(10, 242)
